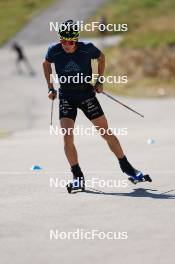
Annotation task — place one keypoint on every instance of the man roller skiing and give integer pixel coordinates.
(71, 57)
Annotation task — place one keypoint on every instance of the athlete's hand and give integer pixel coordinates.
(98, 87)
(52, 94)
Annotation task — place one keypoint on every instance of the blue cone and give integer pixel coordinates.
(36, 167)
(150, 141)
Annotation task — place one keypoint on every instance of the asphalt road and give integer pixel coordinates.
(32, 208)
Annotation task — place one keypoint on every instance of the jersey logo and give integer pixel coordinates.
(72, 66)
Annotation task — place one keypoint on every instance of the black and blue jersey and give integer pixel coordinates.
(71, 64)
(75, 95)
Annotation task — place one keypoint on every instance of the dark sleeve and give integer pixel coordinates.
(94, 51)
(50, 55)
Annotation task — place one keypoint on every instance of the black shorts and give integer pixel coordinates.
(90, 107)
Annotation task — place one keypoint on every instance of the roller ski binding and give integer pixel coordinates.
(139, 177)
(78, 184)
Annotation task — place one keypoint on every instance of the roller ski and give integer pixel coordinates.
(135, 176)
(78, 183)
(139, 177)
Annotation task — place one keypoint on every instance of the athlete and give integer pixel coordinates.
(70, 58)
(21, 57)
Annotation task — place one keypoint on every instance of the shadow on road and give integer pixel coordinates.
(140, 192)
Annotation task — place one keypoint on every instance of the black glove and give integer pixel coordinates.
(52, 92)
(98, 85)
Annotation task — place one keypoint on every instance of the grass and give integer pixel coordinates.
(150, 22)
(4, 134)
(139, 87)
(150, 27)
(14, 14)
(145, 87)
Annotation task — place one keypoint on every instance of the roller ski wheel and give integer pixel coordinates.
(76, 185)
(140, 178)
(69, 187)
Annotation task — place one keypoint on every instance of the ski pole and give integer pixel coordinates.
(111, 97)
(51, 116)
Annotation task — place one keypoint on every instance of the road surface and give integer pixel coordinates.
(32, 208)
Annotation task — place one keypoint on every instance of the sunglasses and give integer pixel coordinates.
(67, 42)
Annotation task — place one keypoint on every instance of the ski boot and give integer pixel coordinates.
(78, 182)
